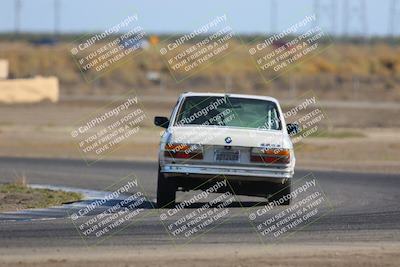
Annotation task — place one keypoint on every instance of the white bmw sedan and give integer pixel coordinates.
(241, 138)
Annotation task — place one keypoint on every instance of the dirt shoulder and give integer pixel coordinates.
(377, 254)
(377, 150)
(44, 131)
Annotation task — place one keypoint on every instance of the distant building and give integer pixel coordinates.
(3, 69)
(32, 90)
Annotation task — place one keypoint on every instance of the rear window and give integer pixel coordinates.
(228, 111)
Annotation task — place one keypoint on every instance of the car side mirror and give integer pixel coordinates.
(292, 128)
(161, 121)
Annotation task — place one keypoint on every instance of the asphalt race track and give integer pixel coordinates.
(363, 207)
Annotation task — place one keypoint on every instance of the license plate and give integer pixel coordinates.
(227, 156)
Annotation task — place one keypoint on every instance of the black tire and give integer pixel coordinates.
(166, 191)
(280, 191)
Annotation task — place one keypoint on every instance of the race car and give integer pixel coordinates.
(242, 139)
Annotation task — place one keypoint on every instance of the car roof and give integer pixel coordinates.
(231, 95)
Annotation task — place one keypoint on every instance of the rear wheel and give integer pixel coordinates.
(166, 191)
(280, 192)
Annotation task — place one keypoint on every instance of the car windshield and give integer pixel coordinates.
(229, 111)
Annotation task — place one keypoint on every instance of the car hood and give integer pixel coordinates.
(207, 135)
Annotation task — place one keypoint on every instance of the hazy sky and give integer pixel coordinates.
(185, 15)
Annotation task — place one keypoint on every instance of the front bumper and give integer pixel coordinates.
(229, 172)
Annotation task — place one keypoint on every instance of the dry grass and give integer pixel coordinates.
(342, 71)
(18, 195)
(20, 180)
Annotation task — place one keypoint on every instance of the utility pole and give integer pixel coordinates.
(355, 13)
(326, 9)
(17, 16)
(394, 17)
(57, 7)
(273, 16)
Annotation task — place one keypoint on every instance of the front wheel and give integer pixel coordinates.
(166, 191)
(279, 195)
